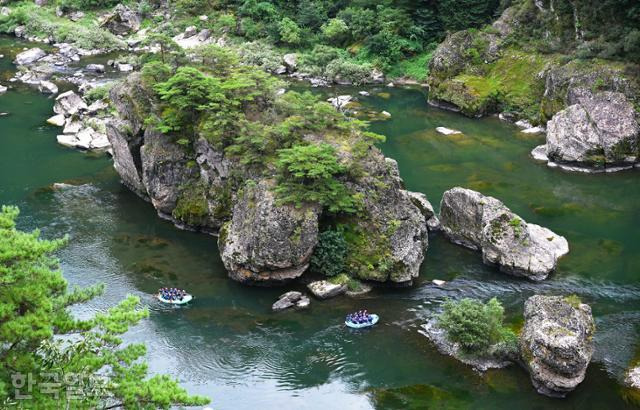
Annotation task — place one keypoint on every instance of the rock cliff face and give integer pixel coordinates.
(262, 241)
(598, 132)
(266, 242)
(484, 223)
(556, 343)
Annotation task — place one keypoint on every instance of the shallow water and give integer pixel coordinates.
(231, 347)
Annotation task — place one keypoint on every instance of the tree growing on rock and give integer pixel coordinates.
(42, 341)
(308, 173)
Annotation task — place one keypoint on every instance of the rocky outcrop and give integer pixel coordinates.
(484, 223)
(323, 289)
(262, 241)
(122, 21)
(292, 299)
(556, 343)
(393, 230)
(267, 243)
(598, 133)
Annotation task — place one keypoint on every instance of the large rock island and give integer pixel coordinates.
(201, 178)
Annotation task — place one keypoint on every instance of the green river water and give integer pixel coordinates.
(230, 346)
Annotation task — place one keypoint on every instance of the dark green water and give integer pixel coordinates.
(231, 347)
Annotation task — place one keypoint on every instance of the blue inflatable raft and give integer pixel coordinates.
(185, 299)
(374, 320)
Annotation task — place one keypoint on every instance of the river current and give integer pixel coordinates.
(228, 344)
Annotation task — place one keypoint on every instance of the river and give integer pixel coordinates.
(228, 344)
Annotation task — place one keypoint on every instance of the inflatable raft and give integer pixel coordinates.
(374, 320)
(185, 299)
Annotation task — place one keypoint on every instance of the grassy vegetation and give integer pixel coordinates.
(413, 68)
(42, 22)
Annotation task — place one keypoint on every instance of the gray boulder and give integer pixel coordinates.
(69, 103)
(556, 343)
(420, 200)
(122, 20)
(30, 56)
(97, 68)
(290, 61)
(323, 289)
(190, 31)
(267, 243)
(600, 132)
(484, 223)
(292, 299)
(3, 89)
(47, 87)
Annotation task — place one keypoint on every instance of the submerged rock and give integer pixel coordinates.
(267, 243)
(484, 223)
(556, 343)
(598, 132)
(447, 131)
(323, 289)
(292, 299)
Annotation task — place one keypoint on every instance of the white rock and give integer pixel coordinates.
(72, 127)
(47, 87)
(539, 153)
(324, 289)
(340, 101)
(391, 85)
(67, 140)
(438, 282)
(386, 113)
(364, 93)
(533, 130)
(3, 89)
(203, 18)
(447, 131)
(69, 103)
(57, 120)
(524, 124)
(125, 67)
(84, 138)
(100, 141)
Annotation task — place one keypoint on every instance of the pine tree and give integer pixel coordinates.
(41, 342)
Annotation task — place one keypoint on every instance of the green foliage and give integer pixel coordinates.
(308, 173)
(289, 32)
(330, 254)
(41, 22)
(573, 300)
(98, 93)
(40, 337)
(476, 326)
(335, 31)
